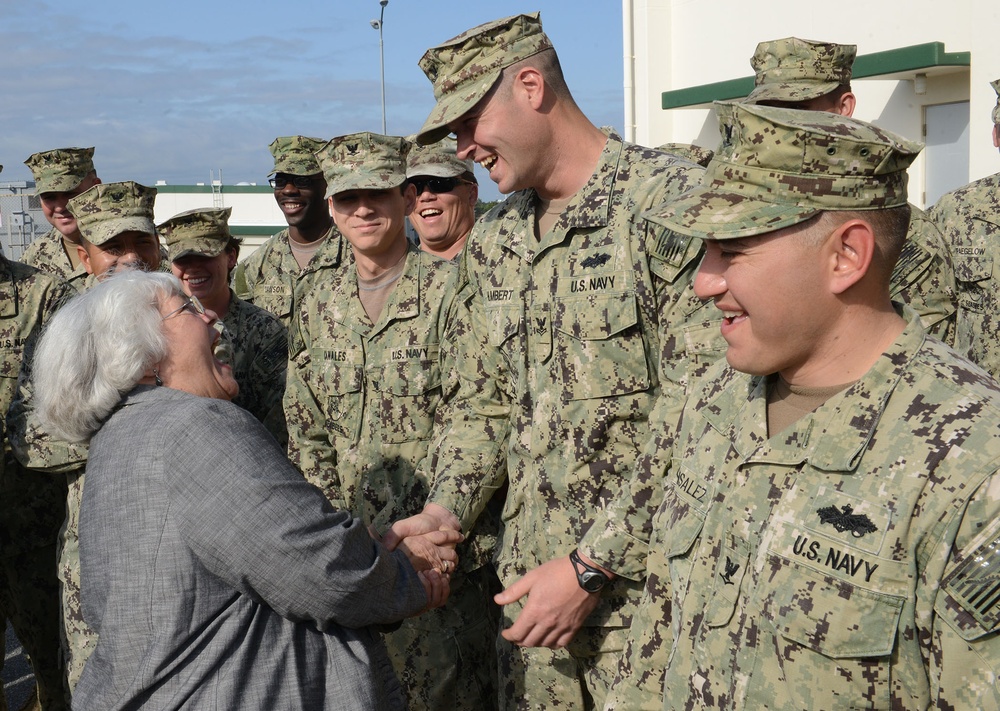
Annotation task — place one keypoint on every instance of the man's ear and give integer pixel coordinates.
(530, 81)
(846, 104)
(853, 245)
(84, 258)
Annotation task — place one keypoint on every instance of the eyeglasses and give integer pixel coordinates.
(192, 304)
(302, 182)
(436, 185)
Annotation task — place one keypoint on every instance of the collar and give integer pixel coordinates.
(589, 208)
(834, 436)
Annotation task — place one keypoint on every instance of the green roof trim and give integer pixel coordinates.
(256, 230)
(891, 61)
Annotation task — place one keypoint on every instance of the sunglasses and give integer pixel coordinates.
(192, 304)
(436, 185)
(302, 182)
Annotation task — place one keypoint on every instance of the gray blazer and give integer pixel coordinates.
(218, 578)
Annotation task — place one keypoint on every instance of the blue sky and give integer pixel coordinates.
(173, 90)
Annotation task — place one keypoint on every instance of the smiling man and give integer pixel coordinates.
(202, 254)
(826, 524)
(447, 192)
(361, 402)
(290, 262)
(60, 174)
(573, 324)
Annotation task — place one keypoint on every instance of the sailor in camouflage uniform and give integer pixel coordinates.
(60, 174)
(289, 263)
(827, 526)
(32, 507)
(203, 254)
(970, 220)
(117, 232)
(793, 73)
(446, 197)
(574, 314)
(361, 400)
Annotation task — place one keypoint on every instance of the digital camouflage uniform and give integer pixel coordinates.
(270, 278)
(845, 562)
(360, 405)
(102, 212)
(48, 254)
(33, 506)
(969, 218)
(255, 343)
(571, 339)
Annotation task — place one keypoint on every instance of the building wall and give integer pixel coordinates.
(684, 43)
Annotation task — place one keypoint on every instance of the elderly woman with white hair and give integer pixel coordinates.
(214, 574)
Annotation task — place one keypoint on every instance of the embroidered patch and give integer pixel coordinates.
(846, 520)
(596, 260)
(975, 585)
(731, 568)
(670, 246)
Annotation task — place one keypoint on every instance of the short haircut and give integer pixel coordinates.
(96, 348)
(889, 225)
(547, 63)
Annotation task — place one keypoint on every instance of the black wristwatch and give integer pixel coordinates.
(590, 578)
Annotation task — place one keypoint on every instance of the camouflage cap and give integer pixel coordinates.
(60, 170)
(439, 160)
(203, 232)
(996, 109)
(779, 167)
(363, 161)
(794, 69)
(466, 67)
(109, 209)
(295, 155)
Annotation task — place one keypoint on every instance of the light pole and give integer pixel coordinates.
(377, 25)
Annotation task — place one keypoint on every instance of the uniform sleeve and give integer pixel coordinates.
(254, 522)
(467, 454)
(619, 538)
(964, 658)
(32, 445)
(690, 341)
(267, 375)
(924, 278)
(240, 285)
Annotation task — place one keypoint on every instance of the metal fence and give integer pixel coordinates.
(21, 218)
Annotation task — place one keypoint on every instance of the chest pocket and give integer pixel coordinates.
(10, 361)
(405, 395)
(974, 267)
(601, 352)
(341, 382)
(275, 298)
(840, 631)
(504, 323)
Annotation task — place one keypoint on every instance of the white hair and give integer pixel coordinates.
(96, 348)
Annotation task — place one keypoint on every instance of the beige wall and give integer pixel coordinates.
(684, 43)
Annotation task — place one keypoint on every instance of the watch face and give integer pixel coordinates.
(591, 581)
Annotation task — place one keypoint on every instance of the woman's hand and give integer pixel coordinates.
(433, 551)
